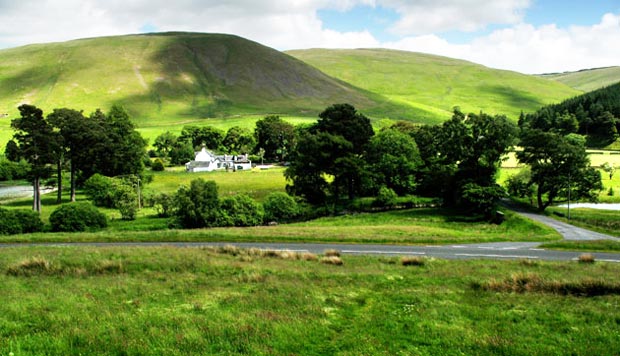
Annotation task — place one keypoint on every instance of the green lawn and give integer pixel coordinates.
(179, 301)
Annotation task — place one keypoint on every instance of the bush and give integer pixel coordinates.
(19, 222)
(241, 210)
(157, 165)
(74, 217)
(385, 198)
(30, 220)
(198, 205)
(100, 190)
(10, 170)
(126, 201)
(163, 204)
(280, 207)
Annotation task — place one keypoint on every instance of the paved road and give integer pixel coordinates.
(503, 250)
(569, 232)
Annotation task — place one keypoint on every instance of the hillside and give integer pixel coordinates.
(588, 79)
(169, 77)
(433, 85)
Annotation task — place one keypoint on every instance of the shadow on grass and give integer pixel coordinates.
(512, 96)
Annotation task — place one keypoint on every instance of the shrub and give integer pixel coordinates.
(19, 221)
(73, 217)
(158, 165)
(385, 198)
(163, 204)
(610, 192)
(30, 220)
(9, 223)
(280, 207)
(198, 205)
(241, 210)
(100, 190)
(126, 201)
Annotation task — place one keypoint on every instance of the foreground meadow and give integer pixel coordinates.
(175, 301)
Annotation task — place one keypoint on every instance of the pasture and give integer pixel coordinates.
(180, 301)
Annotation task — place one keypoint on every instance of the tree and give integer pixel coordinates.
(394, 158)
(76, 136)
(181, 152)
(334, 149)
(198, 205)
(206, 135)
(462, 156)
(164, 143)
(126, 146)
(275, 136)
(11, 151)
(344, 120)
(38, 144)
(559, 165)
(239, 140)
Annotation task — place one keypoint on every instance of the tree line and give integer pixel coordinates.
(331, 162)
(596, 115)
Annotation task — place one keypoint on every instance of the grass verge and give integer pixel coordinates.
(413, 226)
(595, 246)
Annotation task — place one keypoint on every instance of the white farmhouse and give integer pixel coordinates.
(206, 161)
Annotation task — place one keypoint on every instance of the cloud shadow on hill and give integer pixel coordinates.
(512, 96)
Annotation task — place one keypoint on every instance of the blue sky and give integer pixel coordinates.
(530, 36)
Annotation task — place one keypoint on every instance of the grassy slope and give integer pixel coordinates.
(588, 80)
(168, 80)
(179, 301)
(433, 85)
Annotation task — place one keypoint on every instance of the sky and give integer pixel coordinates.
(528, 36)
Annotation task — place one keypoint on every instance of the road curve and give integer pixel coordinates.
(499, 251)
(568, 231)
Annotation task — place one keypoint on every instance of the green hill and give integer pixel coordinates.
(168, 75)
(588, 79)
(170, 80)
(433, 85)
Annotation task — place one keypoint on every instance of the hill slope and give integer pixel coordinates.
(588, 79)
(433, 85)
(166, 76)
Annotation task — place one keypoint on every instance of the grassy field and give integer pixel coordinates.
(588, 80)
(174, 301)
(433, 85)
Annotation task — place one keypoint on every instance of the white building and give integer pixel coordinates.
(206, 161)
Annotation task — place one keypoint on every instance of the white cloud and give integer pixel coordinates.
(431, 16)
(530, 49)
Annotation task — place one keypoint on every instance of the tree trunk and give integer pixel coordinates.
(541, 206)
(36, 189)
(59, 181)
(72, 182)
